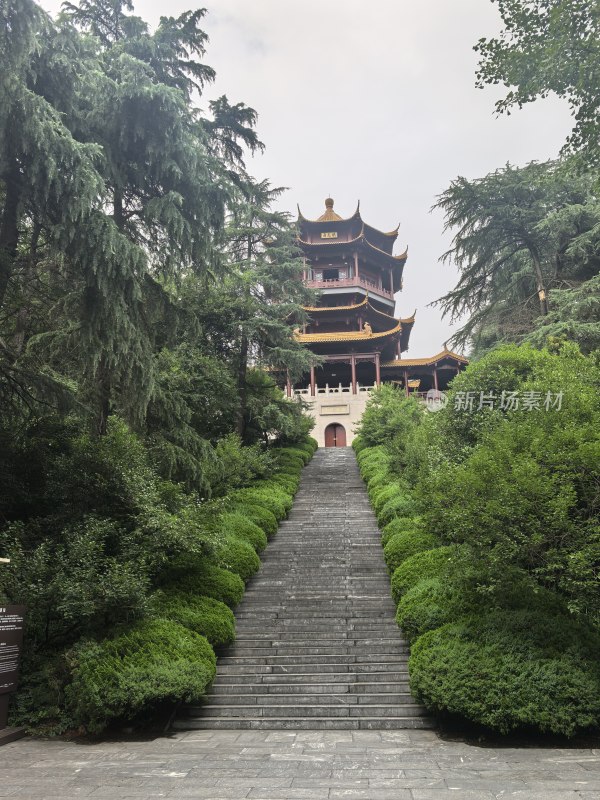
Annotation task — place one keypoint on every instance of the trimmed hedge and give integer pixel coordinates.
(236, 524)
(200, 576)
(428, 564)
(399, 525)
(203, 615)
(430, 604)
(402, 505)
(262, 498)
(238, 556)
(406, 544)
(510, 670)
(154, 661)
(260, 516)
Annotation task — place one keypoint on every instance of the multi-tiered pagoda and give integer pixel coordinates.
(353, 327)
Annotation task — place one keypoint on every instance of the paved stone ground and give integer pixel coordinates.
(296, 765)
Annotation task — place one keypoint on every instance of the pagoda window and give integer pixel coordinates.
(331, 274)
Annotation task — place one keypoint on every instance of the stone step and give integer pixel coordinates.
(293, 711)
(317, 644)
(305, 723)
(299, 699)
(307, 678)
(333, 689)
(305, 649)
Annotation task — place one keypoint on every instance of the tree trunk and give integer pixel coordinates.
(541, 286)
(103, 375)
(23, 313)
(243, 365)
(242, 386)
(9, 227)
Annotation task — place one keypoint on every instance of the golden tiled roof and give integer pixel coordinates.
(330, 215)
(344, 336)
(424, 362)
(338, 308)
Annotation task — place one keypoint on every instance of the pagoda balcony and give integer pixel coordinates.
(327, 390)
(340, 389)
(351, 282)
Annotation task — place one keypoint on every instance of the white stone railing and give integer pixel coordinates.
(328, 390)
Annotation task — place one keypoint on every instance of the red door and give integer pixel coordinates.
(335, 435)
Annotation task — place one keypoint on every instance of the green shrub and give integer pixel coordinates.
(510, 670)
(260, 516)
(291, 462)
(359, 444)
(299, 452)
(237, 525)
(388, 492)
(287, 483)
(399, 525)
(203, 615)
(273, 489)
(263, 498)
(372, 460)
(379, 480)
(152, 662)
(238, 555)
(430, 604)
(428, 564)
(406, 544)
(199, 576)
(401, 505)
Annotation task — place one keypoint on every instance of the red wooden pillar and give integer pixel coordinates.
(392, 281)
(435, 379)
(377, 370)
(288, 385)
(353, 365)
(406, 382)
(312, 382)
(356, 265)
(398, 349)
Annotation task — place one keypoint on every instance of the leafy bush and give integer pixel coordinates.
(262, 498)
(152, 662)
(428, 564)
(235, 524)
(260, 516)
(379, 481)
(203, 615)
(399, 525)
(238, 555)
(237, 465)
(273, 488)
(428, 605)
(371, 461)
(406, 544)
(390, 491)
(287, 483)
(289, 453)
(199, 576)
(401, 505)
(510, 670)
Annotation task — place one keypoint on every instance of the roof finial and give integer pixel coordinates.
(329, 203)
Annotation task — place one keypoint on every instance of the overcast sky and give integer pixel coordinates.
(373, 101)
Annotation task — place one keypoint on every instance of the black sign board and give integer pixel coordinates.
(11, 642)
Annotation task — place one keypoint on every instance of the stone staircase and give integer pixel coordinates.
(317, 643)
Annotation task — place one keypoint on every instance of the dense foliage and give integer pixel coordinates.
(148, 296)
(526, 247)
(496, 570)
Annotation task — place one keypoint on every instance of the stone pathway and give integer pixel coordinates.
(317, 645)
(296, 765)
(317, 623)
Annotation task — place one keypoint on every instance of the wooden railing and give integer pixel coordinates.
(363, 282)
